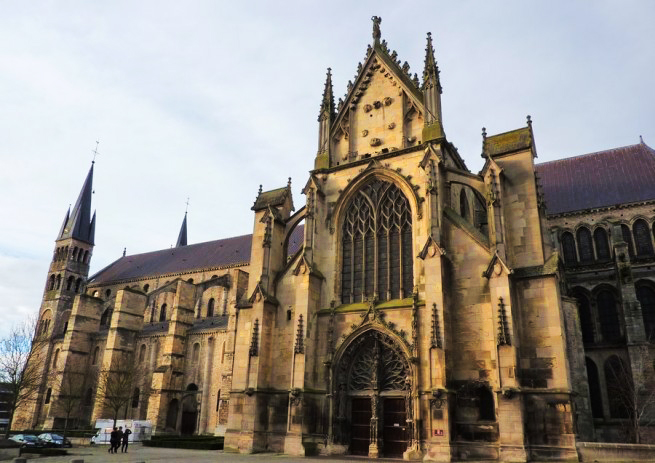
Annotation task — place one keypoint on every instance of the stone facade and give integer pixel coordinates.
(411, 308)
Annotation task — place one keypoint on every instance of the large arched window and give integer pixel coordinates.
(595, 395)
(51, 283)
(643, 242)
(602, 244)
(210, 307)
(646, 298)
(568, 248)
(620, 388)
(585, 246)
(105, 319)
(586, 320)
(608, 316)
(627, 237)
(377, 245)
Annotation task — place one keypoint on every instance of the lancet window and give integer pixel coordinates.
(377, 245)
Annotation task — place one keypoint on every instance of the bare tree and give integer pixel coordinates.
(71, 393)
(630, 399)
(116, 386)
(22, 359)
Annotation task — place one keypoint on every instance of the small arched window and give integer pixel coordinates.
(585, 246)
(218, 400)
(58, 281)
(190, 280)
(65, 327)
(619, 387)
(568, 248)
(463, 204)
(586, 320)
(51, 283)
(162, 313)
(627, 237)
(55, 358)
(595, 395)
(142, 353)
(86, 257)
(47, 395)
(135, 397)
(646, 297)
(108, 293)
(643, 240)
(105, 319)
(608, 316)
(602, 244)
(196, 352)
(223, 353)
(88, 397)
(78, 285)
(94, 359)
(75, 253)
(70, 282)
(210, 308)
(146, 287)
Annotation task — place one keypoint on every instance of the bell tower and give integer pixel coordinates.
(71, 258)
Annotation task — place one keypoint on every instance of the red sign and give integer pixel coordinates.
(438, 432)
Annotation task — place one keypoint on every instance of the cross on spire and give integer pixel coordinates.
(187, 205)
(95, 152)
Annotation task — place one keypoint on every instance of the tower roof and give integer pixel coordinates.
(181, 238)
(78, 223)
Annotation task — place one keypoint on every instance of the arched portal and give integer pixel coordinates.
(373, 402)
(189, 410)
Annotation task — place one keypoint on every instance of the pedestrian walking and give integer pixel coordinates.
(126, 439)
(119, 438)
(112, 440)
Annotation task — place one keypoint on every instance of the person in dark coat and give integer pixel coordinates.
(119, 438)
(126, 439)
(112, 441)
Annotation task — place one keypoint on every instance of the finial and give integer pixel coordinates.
(124, 251)
(260, 189)
(289, 183)
(641, 140)
(95, 152)
(484, 133)
(376, 28)
(187, 206)
(529, 119)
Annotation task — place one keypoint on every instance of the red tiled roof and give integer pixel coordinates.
(606, 178)
(227, 252)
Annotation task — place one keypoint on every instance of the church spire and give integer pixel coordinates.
(432, 95)
(327, 104)
(78, 223)
(181, 238)
(325, 118)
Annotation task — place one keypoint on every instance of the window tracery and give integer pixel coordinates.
(377, 245)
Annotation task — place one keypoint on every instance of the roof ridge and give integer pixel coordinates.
(595, 153)
(187, 246)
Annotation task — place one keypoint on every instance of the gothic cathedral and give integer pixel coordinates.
(409, 309)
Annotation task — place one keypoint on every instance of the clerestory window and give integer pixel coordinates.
(377, 258)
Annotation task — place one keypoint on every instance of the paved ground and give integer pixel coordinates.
(139, 453)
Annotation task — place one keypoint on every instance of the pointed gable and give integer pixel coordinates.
(382, 111)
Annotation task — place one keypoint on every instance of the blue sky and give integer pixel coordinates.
(208, 99)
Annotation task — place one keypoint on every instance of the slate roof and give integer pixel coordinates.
(606, 178)
(229, 252)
